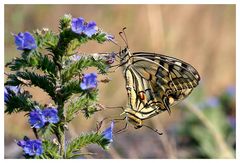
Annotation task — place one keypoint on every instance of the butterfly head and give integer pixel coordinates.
(125, 55)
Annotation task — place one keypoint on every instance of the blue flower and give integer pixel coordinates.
(213, 102)
(232, 121)
(75, 57)
(7, 89)
(25, 41)
(50, 115)
(231, 91)
(109, 37)
(110, 58)
(36, 118)
(90, 29)
(89, 81)
(79, 26)
(108, 133)
(31, 147)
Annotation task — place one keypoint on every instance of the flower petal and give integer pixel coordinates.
(108, 133)
(78, 25)
(36, 118)
(25, 41)
(7, 89)
(89, 81)
(51, 115)
(31, 147)
(19, 41)
(90, 29)
(29, 41)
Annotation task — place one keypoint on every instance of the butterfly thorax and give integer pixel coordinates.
(126, 57)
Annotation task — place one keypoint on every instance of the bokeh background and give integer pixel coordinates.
(203, 126)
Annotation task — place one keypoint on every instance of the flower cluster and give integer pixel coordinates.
(38, 118)
(47, 122)
(79, 26)
(31, 147)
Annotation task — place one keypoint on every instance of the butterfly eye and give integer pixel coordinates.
(141, 95)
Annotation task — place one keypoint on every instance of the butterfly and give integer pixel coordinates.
(154, 83)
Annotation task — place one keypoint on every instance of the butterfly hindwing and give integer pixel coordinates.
(141, 98)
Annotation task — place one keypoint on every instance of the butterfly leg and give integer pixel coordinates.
(114, 70)
(99, 124)
(153, 129)
(123, 129)
(102, 107)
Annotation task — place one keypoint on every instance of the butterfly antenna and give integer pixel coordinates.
(122, 34)
(117, 54)
(115, 43)
(155, 130)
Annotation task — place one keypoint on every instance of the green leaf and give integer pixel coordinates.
(85, 62)
(65, 42)
(37, 60)
(47, 130)
(65, 22)
(99, 37)
(207, 145)
(19, 102)
(70, 88)
(50, 150)
(46, 39)
(73, 45)
(27, 78)
(83, 140)
(217, 117)
(82, 104)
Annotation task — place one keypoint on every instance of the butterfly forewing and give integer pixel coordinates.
(170, 75)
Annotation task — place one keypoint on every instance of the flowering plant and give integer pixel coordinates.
(60, 73)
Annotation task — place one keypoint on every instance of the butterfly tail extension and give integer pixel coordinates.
(166, 104)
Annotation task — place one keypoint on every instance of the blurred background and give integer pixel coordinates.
(203, 126)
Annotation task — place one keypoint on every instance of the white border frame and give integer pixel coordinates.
(3, 2)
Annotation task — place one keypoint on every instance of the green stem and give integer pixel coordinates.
(62, 149)
(61, 128)
(224, 150)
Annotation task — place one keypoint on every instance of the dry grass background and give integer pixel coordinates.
(203, 35)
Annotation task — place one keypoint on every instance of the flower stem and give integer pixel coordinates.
(224, 150)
